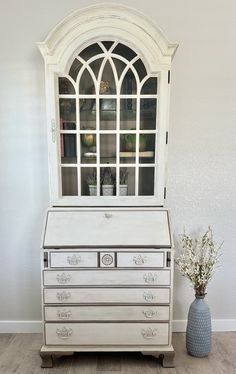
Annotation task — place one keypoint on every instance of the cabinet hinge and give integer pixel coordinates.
(167, 135)
(168, 76)
(164, 192)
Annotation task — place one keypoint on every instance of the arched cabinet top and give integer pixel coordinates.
(109, 21)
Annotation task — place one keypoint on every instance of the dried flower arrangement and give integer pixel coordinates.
(198, 259)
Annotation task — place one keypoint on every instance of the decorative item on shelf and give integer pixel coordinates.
(88, 140)
(104, 87)
(92, 183)
(129, 142)
(107, 182)
(123, 187)
(197, 260)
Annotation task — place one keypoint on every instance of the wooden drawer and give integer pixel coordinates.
(140, 259)
(104, 334)
(107, 295)
(107, 277)
(107, 313)
(73, 259)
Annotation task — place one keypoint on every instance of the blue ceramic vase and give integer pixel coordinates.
(198, 335)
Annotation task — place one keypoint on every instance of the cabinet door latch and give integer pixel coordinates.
(164, 192)
(53, 130)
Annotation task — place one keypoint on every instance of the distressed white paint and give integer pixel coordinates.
(79, 30)
(99, 334)
(107, 278)
(107, 295)
(107, 313)
(107, 227)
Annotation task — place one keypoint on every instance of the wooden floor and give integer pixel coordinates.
(19, 355)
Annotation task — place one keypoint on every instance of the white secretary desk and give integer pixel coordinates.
(107, 262)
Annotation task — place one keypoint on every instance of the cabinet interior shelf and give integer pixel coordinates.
(145, 154)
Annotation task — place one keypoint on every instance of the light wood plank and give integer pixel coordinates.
(19, 354)
(108, 362)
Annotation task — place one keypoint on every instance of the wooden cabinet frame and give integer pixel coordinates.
(79, 30)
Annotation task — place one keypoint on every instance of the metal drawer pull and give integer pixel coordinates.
(108, 215)
(148, 296)
(63, 296)
(73, 260)
(149, 333)
(63, 278)
(150, 277)
(64, 333)
(64, 314)
(139, 260)
(149, 313)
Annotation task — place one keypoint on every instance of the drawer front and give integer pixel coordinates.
(107, 295)
(73, 259)
(107, 313)
(139, 259)
(102, 334)
(107, 277)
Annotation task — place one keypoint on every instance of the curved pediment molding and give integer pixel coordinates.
(109, 21)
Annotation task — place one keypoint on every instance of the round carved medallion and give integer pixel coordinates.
(107, 259)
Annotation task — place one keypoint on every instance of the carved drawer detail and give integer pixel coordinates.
(63, 296)
(64, 314)
(149, 313)
(149, 333)
(150, 278)
(73, 260)
(63, 278)
(64, 332)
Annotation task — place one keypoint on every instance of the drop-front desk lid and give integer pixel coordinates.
(107, 227)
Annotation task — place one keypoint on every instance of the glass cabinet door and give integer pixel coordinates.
(108, 111)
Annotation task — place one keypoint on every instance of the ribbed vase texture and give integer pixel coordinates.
(198, 335)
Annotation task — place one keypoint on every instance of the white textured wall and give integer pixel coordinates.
(202, 149)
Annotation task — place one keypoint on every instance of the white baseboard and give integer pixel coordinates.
(217, 325)
(21, 327)
(178, 326)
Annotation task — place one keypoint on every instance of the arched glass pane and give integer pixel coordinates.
(120, 66)
(107, 85)
(65, 87)
(86, 85)
(129, 85)
(95, 66)
(140, 68)
(107, 44)
(75, 68)
(90, 51)
(124, 51)
(149, 87)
